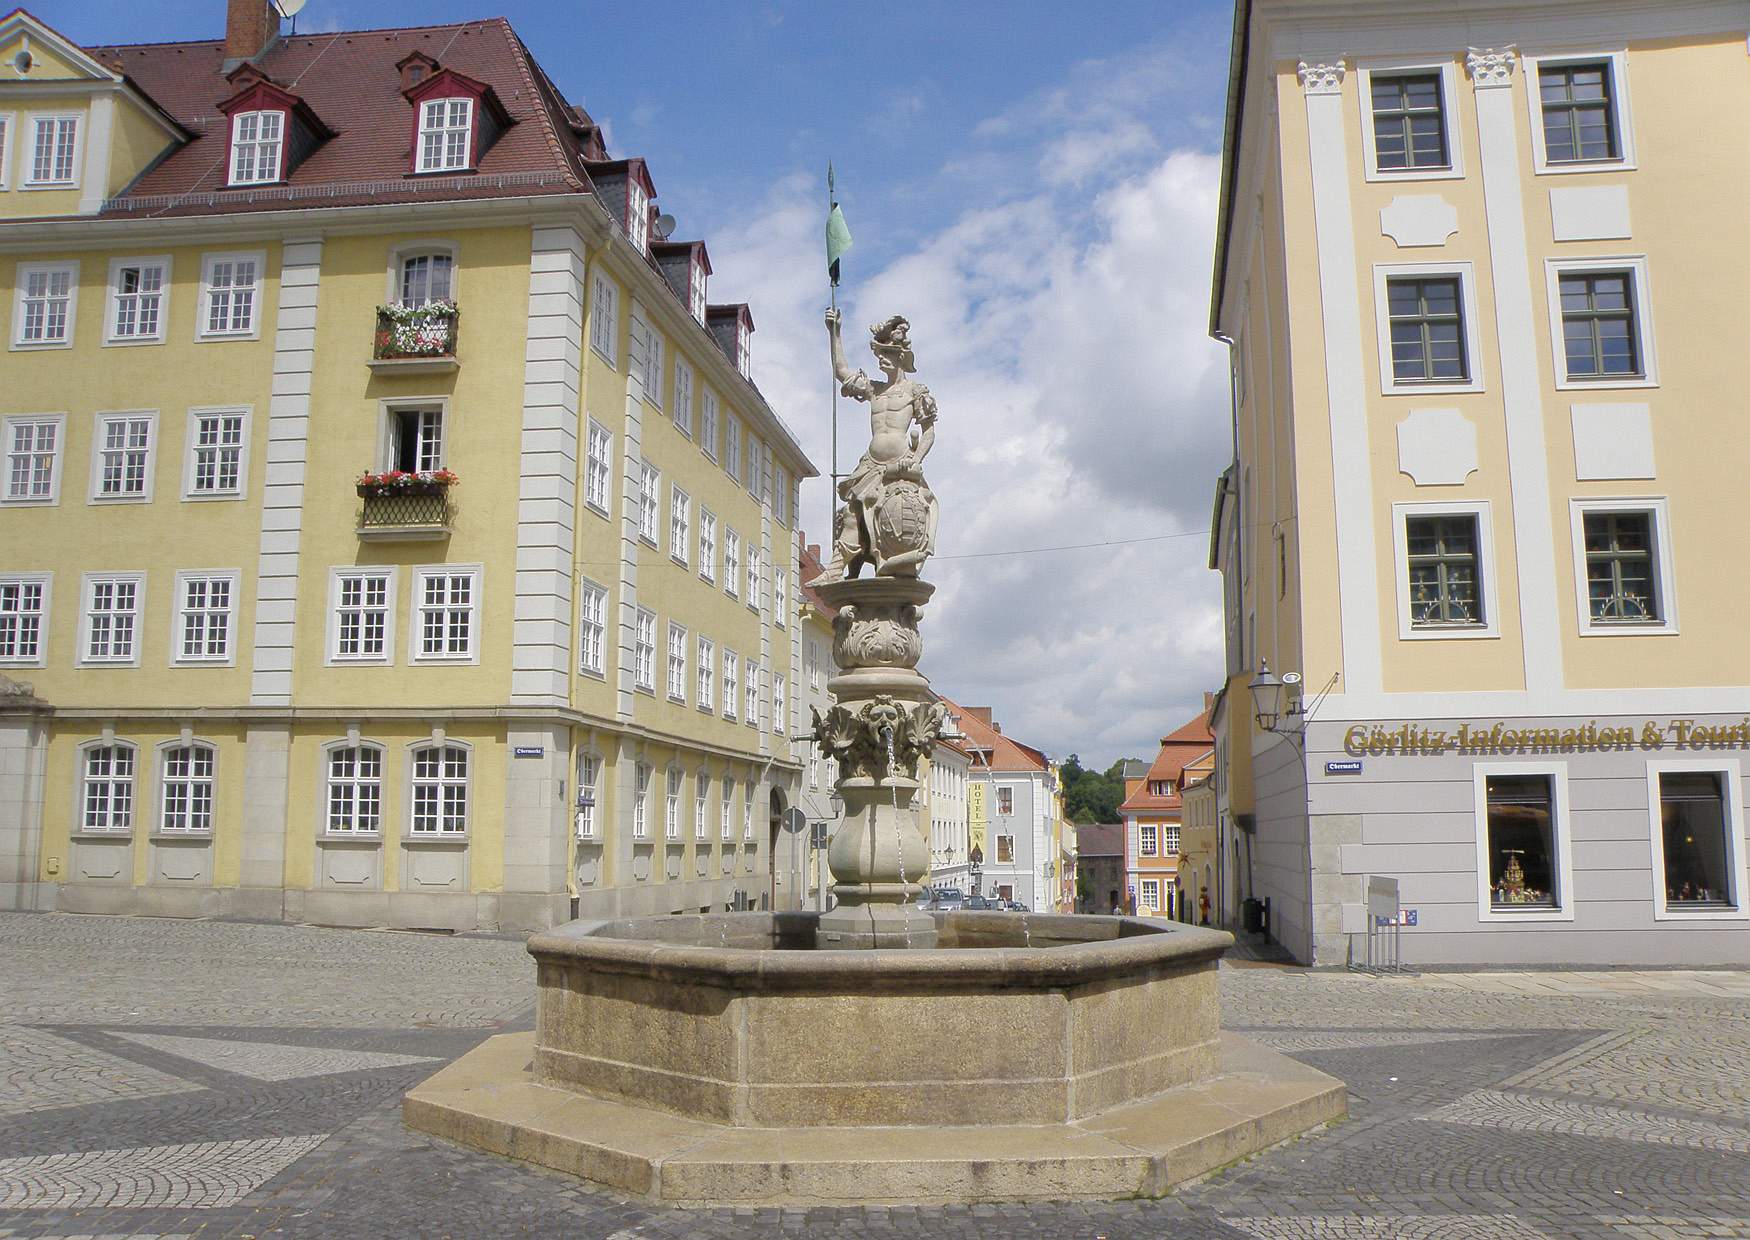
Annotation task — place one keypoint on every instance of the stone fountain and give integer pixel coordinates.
(877, 1052)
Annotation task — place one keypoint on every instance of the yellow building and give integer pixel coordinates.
(391, 531)
(1471, 262)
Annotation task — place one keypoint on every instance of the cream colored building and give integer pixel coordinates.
(550, 674)
(1473, 263)
(943, 806)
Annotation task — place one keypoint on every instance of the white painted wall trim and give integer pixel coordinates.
(1737, 867)
(1562, 840)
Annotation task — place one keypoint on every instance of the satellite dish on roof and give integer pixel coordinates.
(664, 223)
(288, 8)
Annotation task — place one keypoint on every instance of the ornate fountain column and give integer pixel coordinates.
(885, 719)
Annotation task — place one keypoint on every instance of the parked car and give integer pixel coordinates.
(948, 900)
(1015, 906)
(978, 903)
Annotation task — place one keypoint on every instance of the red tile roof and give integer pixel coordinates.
(1100, 839)
(1179, 748)
(999, 751)
(350, 80)
(808, 567)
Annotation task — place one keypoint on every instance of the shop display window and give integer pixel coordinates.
(1692, 813)
(1522, 856)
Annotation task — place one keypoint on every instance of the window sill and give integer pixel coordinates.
(127, 343)
(1713, 913)
(384, 367)
(181, 837)
(1509, 916)
(103, 500)
(1384, 175)
(1628, 630)
(1392, 387)
(37, 346)
(48, 185)
(41, 501)
(1605, 166)
(228, 661)
(1606, 383)
(364, 839)
(678, 560)
(1455, 633)
(453, 839)
(111, 837)
(594, 673)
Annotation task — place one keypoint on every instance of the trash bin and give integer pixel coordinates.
(1252, 915)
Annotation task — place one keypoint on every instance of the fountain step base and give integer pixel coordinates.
(863, 926)
(489, 1100)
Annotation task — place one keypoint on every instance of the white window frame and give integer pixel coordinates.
(674, 782)
(422, 164)
(8, 140)
(779, 705)
(732, 448)
(162, 782)
(747, 810)
(46, 581)
(709, 419)
(257, 144)
(701, 805)
(653, 369)
(743, 348)
(750, 692)
(696, 302)
(598, 666)
(598, 476)
(726, 811)
(1170, 839)
(644, 652)
(87, 595)
(680, 525)
(56, 456)
(1449, 95)
(677, 663)
(257, 295)
(82, 786)
(433, 426)
(1636, 264)
(649, 514)
(1144, 899)
(1623, 118)
(1001, 791)
(21, 286)
(1148, 841)
(442, 744)
(28, 179)
(756, 578)
(780, 493)
(1469, 307)
(731, 562)
(192, 447)
(731, 683)
(112, 301)
(336, 577)
(1737, 845)
(1562, 830)
(1664, 566)
(179, 612)
(637, 214)
(99, 435)
(1484, 514)
(353, 783)
(589, 778)
(707, 544)
(780, 589)
(416, 612)
(706, 655)
(641, 774)
(604, 316)
(404, 254)
(683, 397)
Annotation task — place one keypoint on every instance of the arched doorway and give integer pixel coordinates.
(781, 890)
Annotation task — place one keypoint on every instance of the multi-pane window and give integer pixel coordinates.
(1579, 118)
(256, 138)
(708, 422)
(228, 294)
(1409, 122)
(683, 397)
(1151, 893)
(731, 560)
(440, 790)
(45, 304)
(592, 627)
(112, 619)
(107, 791)
(416, 439)
(1148, 840)
(216, 448)
(813, 664)
(1005, 800)
(696, 290)
(677, 663)
(732, 448)
(644, 652)
(641, 804)
(444, 126)
(680, 507)
(1445, 584)
(754, 576)
(1695, 826)
(1171, 838)
(1622, 569)
(23, 601)
(780, 493)
(780, 594)
(671, 805)
(54, 146)
(124, 455)
(653, 367)
(33, 448)
(707, 655)
(707, 544)
(1600, 338)
(747, 811)
(725, 816)
(206, 603)
(598, 468)
(136, 305)
(355, 790)
(604, 316)
(186, 789)
(1427, 330)
(445, 618)
(588, 773)
(701, 800)
(649, 482)
(361, 615)
(1521, 841)
(744, 349)
(751, 696)
(426, 278)
(751, 465)
(637, 214)
(731, 682)
(778, 715)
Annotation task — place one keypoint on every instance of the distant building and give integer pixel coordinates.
(1200, 858)
(943, 807)
(1153, 821)
(1013, 787)
(802, 856)
(1100, 874)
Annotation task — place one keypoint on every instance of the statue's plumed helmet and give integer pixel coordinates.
(893, 339)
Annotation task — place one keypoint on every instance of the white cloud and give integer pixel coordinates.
(1063, 333)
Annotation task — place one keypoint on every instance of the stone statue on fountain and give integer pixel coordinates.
(885, 720)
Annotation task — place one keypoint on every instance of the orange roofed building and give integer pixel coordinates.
(1153, 819)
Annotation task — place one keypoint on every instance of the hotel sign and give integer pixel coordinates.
(975, 818)
(1487, 737)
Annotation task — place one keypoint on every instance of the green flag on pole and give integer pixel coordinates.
(838, 240)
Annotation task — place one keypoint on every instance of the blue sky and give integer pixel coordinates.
(1033, 184)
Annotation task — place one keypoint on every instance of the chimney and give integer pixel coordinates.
(981, 713)
(250, 25)
(1208, 701)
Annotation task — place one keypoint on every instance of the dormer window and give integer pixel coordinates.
(637, 214)
(444, 128)
(744, 348)
(696, 290)
(257, 139)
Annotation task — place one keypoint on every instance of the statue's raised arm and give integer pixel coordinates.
(853, 383)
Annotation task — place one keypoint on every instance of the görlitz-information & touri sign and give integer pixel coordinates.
(1499, 737)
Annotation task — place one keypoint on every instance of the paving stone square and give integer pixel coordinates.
(181, 1079)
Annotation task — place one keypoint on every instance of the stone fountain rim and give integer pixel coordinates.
(1152, 946)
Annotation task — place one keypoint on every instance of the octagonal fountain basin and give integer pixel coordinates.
(713, 1059)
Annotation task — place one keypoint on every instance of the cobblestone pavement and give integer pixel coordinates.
(200, 1079)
